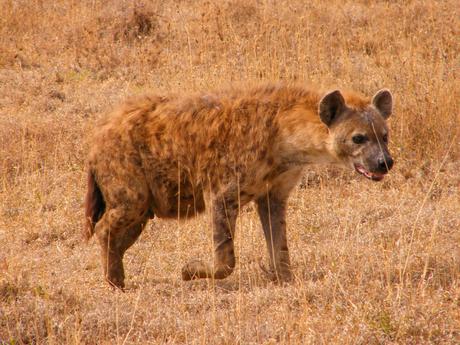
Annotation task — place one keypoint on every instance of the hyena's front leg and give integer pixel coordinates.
(224, 213)
(272, 216)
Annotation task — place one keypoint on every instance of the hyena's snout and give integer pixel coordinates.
(384, 163)
(375, 166)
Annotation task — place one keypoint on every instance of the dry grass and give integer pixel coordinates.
(374, 263)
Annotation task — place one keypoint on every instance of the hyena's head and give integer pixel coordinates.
(359, 134)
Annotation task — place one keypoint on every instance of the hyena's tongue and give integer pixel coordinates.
(368, 174)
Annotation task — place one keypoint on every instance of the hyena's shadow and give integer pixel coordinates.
(244, 281)
(221, 286)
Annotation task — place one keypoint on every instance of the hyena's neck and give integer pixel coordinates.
(304, 139)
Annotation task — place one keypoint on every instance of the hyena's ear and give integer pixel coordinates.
(331, 106)
(383, 101)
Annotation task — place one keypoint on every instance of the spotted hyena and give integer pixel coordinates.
(164, 155)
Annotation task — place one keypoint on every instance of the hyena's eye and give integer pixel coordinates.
(385, 138)
(360, 139)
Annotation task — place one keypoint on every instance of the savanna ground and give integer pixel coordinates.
(375, 263)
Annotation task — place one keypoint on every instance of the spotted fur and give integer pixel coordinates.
(162, 155)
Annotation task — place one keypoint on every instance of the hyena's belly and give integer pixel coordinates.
(171, 200)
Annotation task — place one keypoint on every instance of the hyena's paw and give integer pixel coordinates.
(115, 275)
(195, 270)
(282, 275)
(117, 282)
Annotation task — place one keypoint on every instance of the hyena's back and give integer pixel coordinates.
(127, 167)
(155, 150)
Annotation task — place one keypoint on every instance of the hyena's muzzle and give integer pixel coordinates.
(376, 162)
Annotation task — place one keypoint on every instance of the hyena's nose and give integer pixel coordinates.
(385, 164)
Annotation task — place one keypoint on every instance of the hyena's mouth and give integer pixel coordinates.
(370, 175)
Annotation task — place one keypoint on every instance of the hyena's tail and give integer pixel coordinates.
(94, 205)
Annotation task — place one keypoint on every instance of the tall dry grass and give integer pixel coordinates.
(374, 263)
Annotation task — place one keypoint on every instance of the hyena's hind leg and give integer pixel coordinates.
(127, 212)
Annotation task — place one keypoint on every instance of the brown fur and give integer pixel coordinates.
(160, 155)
